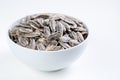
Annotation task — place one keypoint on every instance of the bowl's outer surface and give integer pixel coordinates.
(46, 60)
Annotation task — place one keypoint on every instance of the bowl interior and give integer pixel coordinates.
(47, 51)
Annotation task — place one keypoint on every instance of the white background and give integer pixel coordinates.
(100, 60)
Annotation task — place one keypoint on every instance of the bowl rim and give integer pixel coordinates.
(62, 50)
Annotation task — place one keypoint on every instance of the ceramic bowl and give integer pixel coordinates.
(47, 60)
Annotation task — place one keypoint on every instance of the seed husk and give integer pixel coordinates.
(80, 37)
(64, 45)
(51, 46)
(23, 41)
(40, 46)
(40, 21)
(73, 42)
(52, 26)
(47, 31)
(57, 48)
(73, 35)
(67, 26)
(32, 44)
(54, 36)
(60, 28)
(33, 34)
(25, 30)
(64, 39)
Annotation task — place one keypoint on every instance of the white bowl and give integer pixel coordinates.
(47, 60)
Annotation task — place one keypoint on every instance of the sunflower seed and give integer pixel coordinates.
(54, 42)
(25, 30)
(64, 45)
(33, 34)
(40, 21)
(60, 27)
(73, 42)
(34, 24)
(80, 29)
(84, 33)
(23, 25)
(52, 46)
(57, 48)
(54, 36)
(32, 44)
(73, 35)
(69, 21)
(64, 39)
(40, 46)
(66, 35)
(40, 16)
(80, 37)
(67, 26)
(43, 41)
(46, 31)
(52, 26)
(23, 41)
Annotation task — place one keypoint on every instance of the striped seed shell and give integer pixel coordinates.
(40, 46)
(42, 40)
(54, 36)
(80, 37)
(57, 48)
(69, 21)
(22, 25)
(73, 35)
(33, 34)
(64, 45)
(34, 24)
(79, 29)
(46, 30)
(60, 28)
(73, 42)
(52, 25)
(32, 44)
(64, 39)
(23, 41)
(39, 16)
(67, 26)
(40, 21)
(51, 46)
(25, 30)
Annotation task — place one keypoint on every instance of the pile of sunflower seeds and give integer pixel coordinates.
(48, 32)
